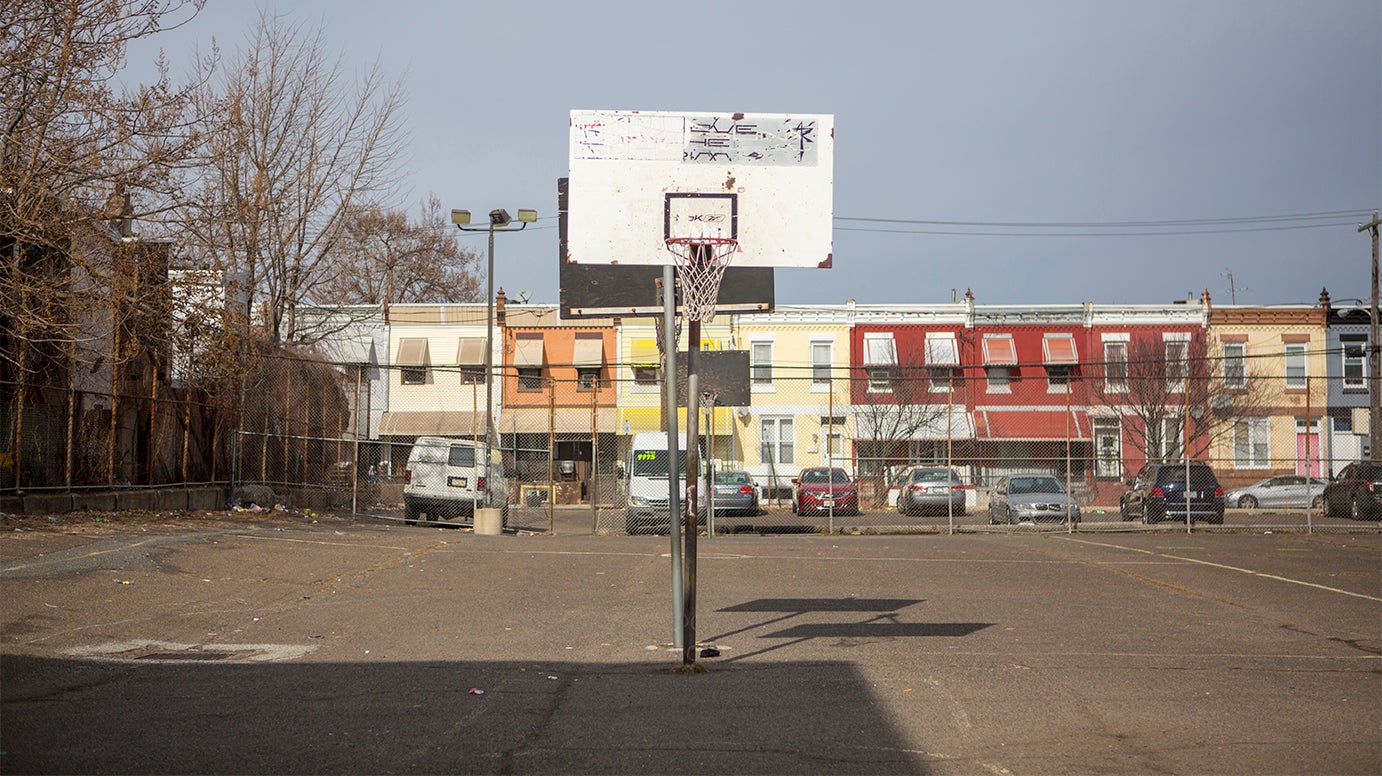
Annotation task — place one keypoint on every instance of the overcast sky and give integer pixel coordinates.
(1016, 148)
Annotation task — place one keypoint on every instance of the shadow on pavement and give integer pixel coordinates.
(129, 716)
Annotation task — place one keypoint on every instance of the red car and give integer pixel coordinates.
(821, 489)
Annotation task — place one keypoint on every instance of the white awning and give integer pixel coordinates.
(879, 351)
(527, 351)
(470, 351)
(941, 350)
(999, 350)
(412, 351)
(589, 351)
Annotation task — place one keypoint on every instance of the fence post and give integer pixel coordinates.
(551, 455)
(594, 454)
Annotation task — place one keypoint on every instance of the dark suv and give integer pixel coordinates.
(1159, 493)
(1356, 491)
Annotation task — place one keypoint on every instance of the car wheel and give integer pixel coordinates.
(1356, 512)
(410, 515)
(1247, 502)
(1147, 518)
(1123, 511)
(1318, 503)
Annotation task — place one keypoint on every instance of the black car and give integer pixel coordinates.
(1159, 492)
(1356, 491)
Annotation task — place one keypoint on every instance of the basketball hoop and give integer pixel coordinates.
(701, 263)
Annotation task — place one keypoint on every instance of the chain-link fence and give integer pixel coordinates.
(304, 432)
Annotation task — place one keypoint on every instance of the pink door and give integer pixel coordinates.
(1308, 455)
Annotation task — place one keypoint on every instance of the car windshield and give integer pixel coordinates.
(821, 476)
(653, 463)
(931, 475)
(1035, 485)
(1200, 476)
(731, 478)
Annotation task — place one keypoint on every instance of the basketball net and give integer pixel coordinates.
(701, 263)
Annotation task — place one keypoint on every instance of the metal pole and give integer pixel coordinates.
(1375, 357)
(594, 454)
(551, 455)
(1309, 512)
(693, 463)
(489, 353)
(669, 403)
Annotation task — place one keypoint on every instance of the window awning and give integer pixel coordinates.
(412, 351)
(879, 351)
(999, 351)
(470, 351)
(941, 351)
(645, 354)
(527, 351)
(1059, 349)
(588, 352)
(1044, 426)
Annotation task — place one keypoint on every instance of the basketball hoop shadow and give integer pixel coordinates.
(883, 625)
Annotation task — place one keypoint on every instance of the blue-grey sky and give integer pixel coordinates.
(1060, 118)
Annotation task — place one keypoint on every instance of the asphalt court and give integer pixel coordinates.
(362, 646)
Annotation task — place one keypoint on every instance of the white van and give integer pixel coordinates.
(451, 478)
(645, 483)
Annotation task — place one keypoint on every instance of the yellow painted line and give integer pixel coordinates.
(1227, 567)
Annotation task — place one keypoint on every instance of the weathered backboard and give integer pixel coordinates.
(608, 291)
(724, 373)
(639, 178)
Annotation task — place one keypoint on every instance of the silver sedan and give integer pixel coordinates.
(1288, 491)
(734, 493)
(1031, 498)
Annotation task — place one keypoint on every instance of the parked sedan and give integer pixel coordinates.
(734, 493)
(1284, 491)
(822, 489)
(1031, 498)
(1356, 491)
(931, 489)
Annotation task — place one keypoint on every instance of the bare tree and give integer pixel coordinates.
(383, 258)
(81, 160)
(1162, 384)
(293, 148)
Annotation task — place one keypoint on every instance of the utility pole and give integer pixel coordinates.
(1374, 356)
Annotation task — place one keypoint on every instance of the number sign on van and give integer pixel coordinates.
(647, 455)
(455, 482)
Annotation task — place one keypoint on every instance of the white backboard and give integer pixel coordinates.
(640, 177)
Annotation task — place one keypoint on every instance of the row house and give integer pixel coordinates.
(559, 409)
(1345, 425)
(435, 385)
(1269, 397)
(1089, 392)
(996, 389)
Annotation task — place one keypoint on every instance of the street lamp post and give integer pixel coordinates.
(499, 221)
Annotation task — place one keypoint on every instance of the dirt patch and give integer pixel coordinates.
(124, 521)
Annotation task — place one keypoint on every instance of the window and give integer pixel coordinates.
(1061, 358)
(645, 362)
(1172, 437)
(588, 357)
(942, 360)
(821, 357)
(776, 441)
(470, 356)
(880, 359)
(1235, 365)
(1000, 359)
(528, 359)
(761, 364)
(1177, 361)
(1116, 364)
(1252, 443)
(1108, 450)
(413, 360)
(1295, 365)
(1355, 348)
